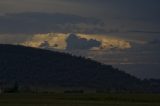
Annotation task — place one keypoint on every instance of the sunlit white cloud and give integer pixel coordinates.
(60, 40)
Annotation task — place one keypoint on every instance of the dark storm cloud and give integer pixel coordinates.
(155, 41)
(43, 22)
(142, 31)
(126, 14)
(109, 7)
(75, 42)
(117, 14)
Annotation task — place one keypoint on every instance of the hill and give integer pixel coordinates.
(37, 67)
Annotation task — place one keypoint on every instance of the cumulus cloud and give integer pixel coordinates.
(63, 41)
(75, 42)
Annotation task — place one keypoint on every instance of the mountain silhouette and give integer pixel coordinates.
(32, 66)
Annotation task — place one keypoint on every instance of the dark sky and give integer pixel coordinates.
(137, 21)
(108, 8)
(118, 14)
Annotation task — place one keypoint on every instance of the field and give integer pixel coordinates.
(51, 99)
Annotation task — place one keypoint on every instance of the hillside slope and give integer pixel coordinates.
(31, 66)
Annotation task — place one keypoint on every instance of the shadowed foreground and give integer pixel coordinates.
(44, 99)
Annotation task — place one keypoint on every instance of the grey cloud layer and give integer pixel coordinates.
(118, 14)
(46, 22)
(122, 8)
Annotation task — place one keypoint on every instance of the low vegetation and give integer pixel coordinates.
(52, 99)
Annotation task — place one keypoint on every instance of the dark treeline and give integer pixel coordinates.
(37, 67)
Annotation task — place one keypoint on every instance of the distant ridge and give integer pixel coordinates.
(37, 67)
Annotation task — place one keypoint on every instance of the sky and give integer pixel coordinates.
(124, 33)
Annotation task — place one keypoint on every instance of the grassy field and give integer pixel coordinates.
(44, 99)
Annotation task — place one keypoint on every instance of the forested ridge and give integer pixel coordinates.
(37, 67)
